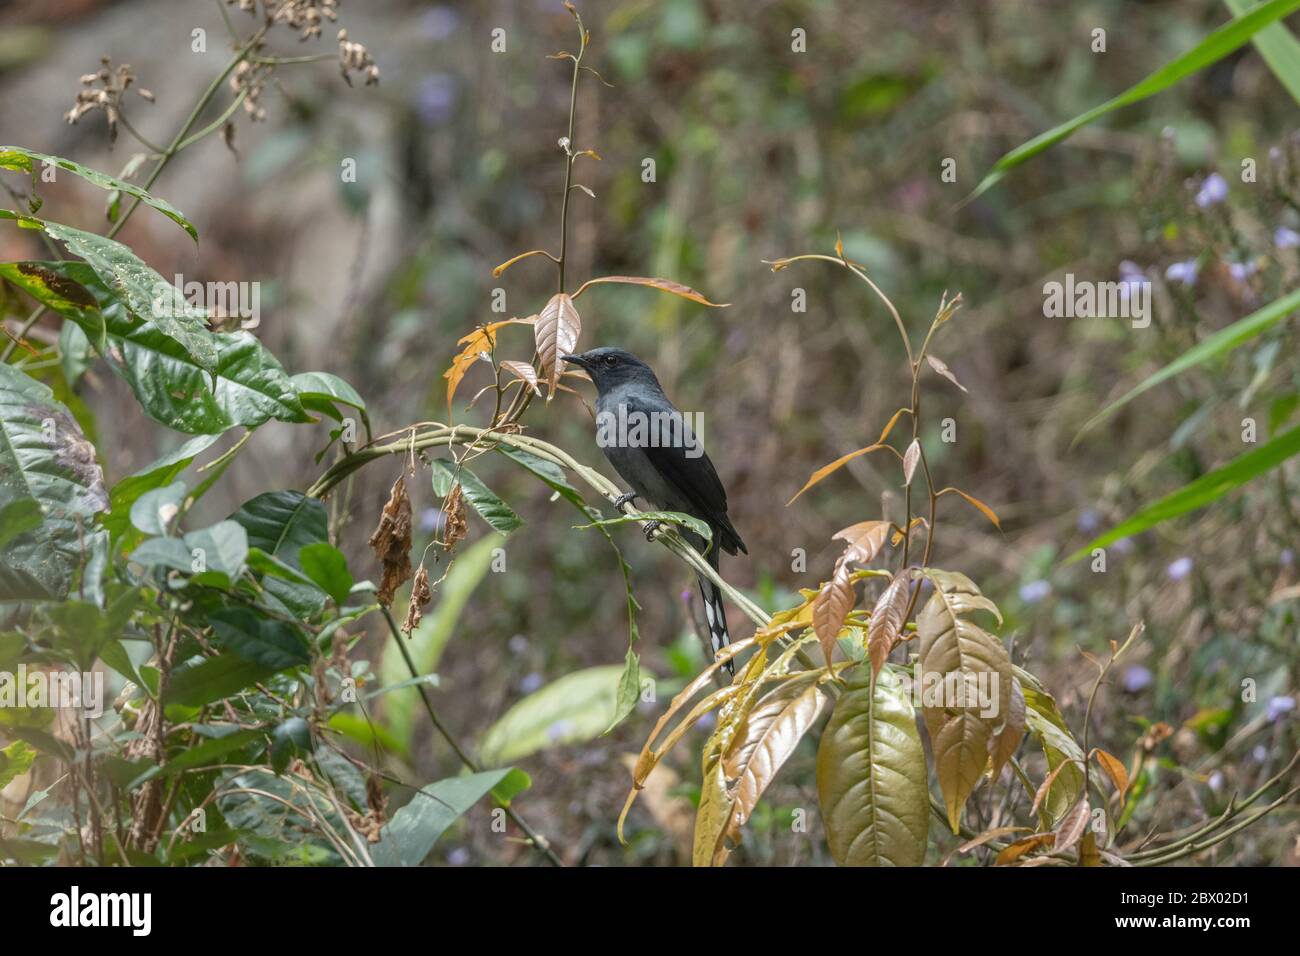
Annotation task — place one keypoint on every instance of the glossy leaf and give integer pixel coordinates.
(556, 333)
(409, 836)
(499, 515)
(871, 776)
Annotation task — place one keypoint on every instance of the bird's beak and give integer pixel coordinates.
(577, 360)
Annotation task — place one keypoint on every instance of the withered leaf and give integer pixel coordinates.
(1072, 826)
(421, 594)
(1115, 769)
(1023, 846)
(911, 458)
(864, 539)
(457, 520)
(940, 366)
(556, 332)
(524, 372)
(663, 285)
(391, 542)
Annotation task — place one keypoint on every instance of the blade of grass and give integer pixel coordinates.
(1213, 48)
(1279, 48)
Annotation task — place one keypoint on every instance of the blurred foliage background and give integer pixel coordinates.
(760, 152)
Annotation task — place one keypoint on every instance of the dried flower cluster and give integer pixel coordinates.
(103, 90)
(307, 16)
(353, 57)
(249, 78)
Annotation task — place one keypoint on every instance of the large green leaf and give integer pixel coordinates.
(1229, 37)
(44, 457)
(1204, 490)
(1225, 340)
(173, 387)
(1278, 46)
(1048, 727)
(871, 776)
(499, 515)
(321, 392)
(159, 474)
(259, 639)
(407, 839)
(18, 158)
(212, 678)
(281, 522)
(213, 556)
(950, 644)
(574, 709)
(143, 291)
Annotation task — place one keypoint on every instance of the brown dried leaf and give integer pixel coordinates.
(942, 368)
(832, 606)
(524, 372)
(457, 520)
(421, 594)
(1041, 794)
(911, 458)
(887, 620)
(1115, 769)
(1023, 846)
(864, 540)
(663, 285)
(391, 542)
(557, 330)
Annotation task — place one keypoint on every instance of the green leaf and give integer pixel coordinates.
(154, 511)
(210, 752)
(214, 556)
(15, 760)
(325, 564)
(18, 517)
(133, 283)
(514, 783)
(409, 836)
(671, 517)
(212, 678)
(492, 509)
(574, 709)
(1223, 41)
(281, 522)
(1048, 727)
(321, 392)
(290, 739)
(44, 456)
(160, 473)
(74, 352)
(17, 158)
(871, 776)
(1204, 490)
(1221, 342)
(629, 690)
(173, 387)
(260, 640)
(1278, 46)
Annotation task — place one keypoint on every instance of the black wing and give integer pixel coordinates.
(696, 480)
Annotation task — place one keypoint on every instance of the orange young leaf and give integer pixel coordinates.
(984, 509)
(838, 463)
(1115, 769)
(663, 285)
(523, 255)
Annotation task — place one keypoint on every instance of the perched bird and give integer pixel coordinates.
(651, 445)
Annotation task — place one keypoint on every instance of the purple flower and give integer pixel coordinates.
(438, 23)
(435, 99)
(1184, 272)
(686, 595)
(1089, 521)
(431, 520)
(517, 644)
(1179, 569)
(1285, 238)
(1278, 706)
(1123, 545)
(531, 682)
(1260, 753)
(1034, 591)
(1131, 278)
(1216, 781)
(1137, 678)
(1213, 191)
(458, 856)
(707, 721)
(1241, 271)
(1287, 556)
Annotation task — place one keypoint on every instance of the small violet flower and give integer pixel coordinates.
(1213, 191)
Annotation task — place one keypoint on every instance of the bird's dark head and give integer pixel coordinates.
(611, 367)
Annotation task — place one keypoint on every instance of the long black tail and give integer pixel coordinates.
(714, 614)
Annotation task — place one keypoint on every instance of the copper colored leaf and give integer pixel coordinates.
(663, 285)
(871, 777)
(776, 726)
(832, 606)
(457, 522)
(391, 542)
(1073, 825)
(557, 330)
(1115, 769)
(942, 368)
(838, 463)
(1004, 744)
(420, 596)
(1024, 846)
(524, 372)
(983, 508)
(887, 620)
(911, 458)
(523, 255)
(865, 539)
(475, 345)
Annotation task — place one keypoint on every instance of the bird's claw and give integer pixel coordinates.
(651, 529)
(626, 499)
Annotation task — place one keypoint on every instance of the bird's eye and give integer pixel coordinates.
(611, 360)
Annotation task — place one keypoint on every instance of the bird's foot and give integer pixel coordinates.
(626, 499)
(652, 529)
